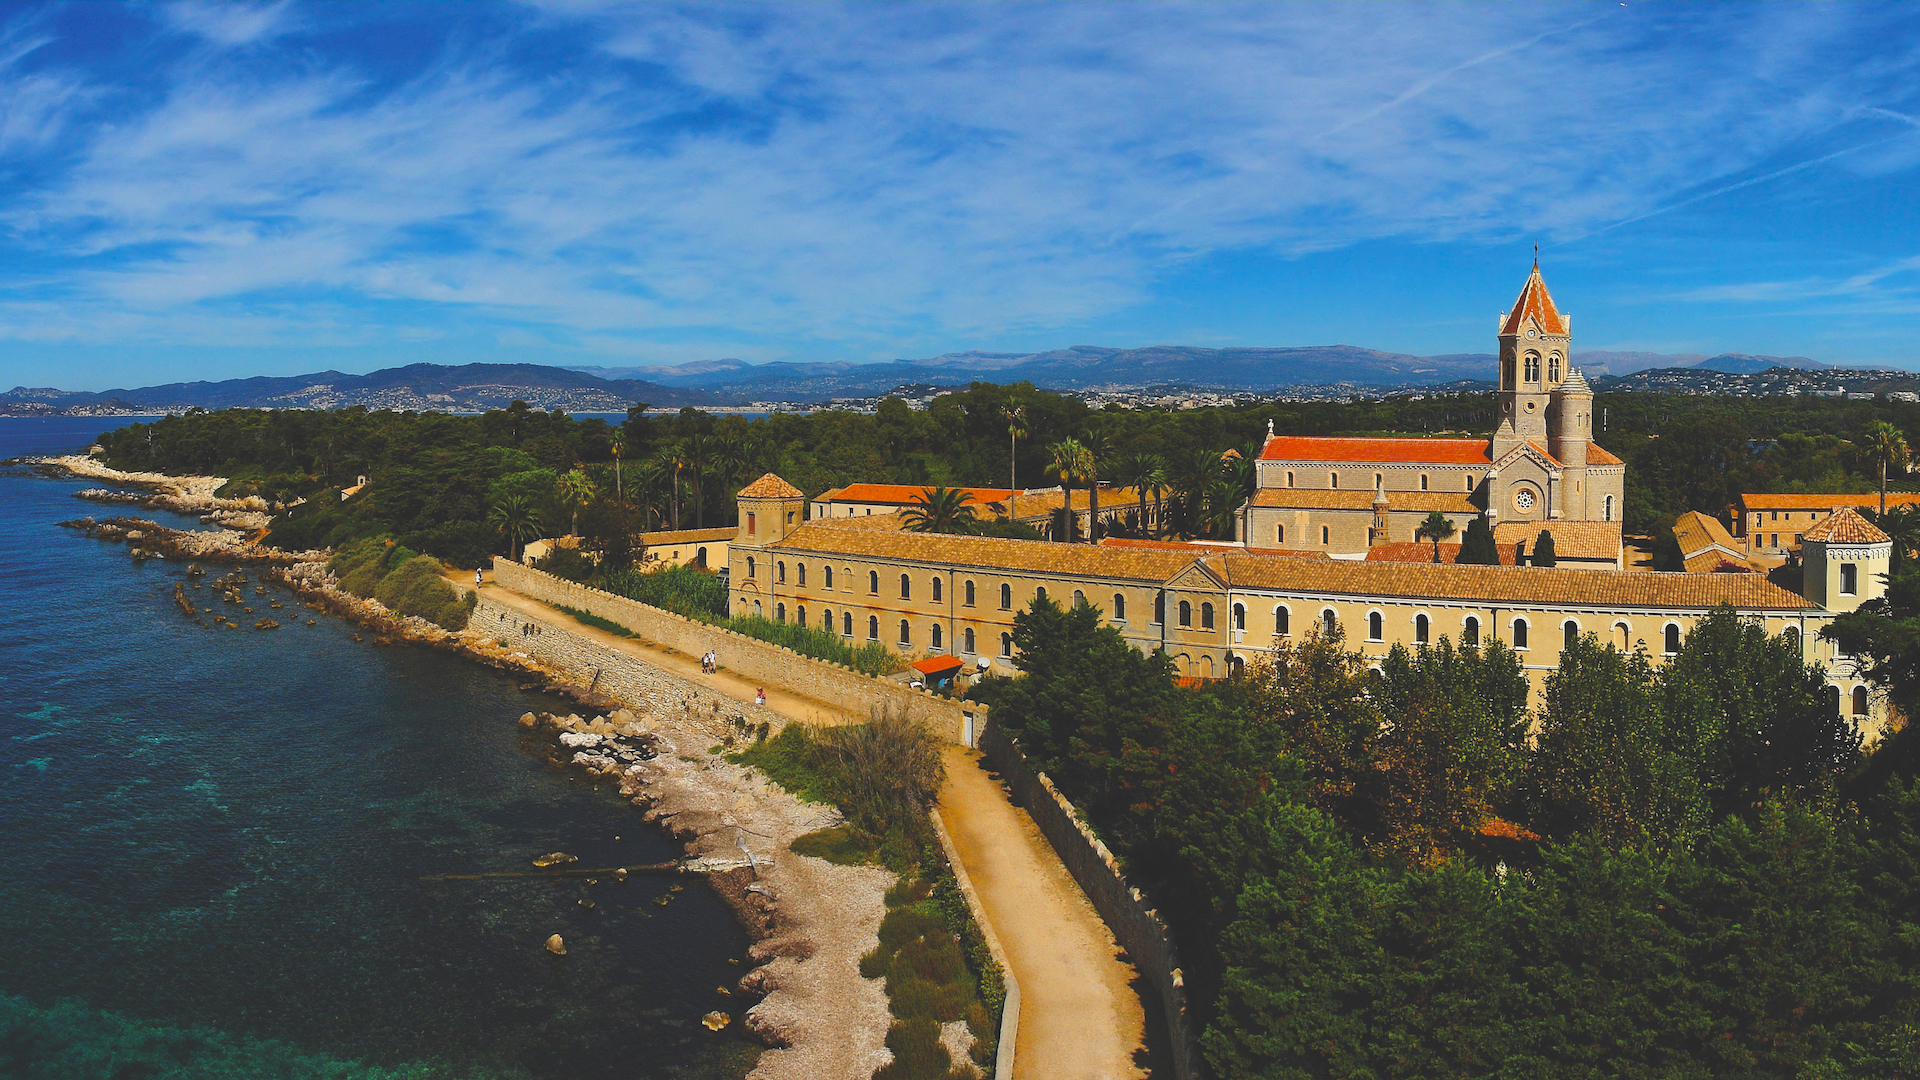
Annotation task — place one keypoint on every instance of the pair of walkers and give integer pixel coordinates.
(710, 662)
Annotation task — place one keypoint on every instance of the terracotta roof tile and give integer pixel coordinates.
(1697, 532)
(1571, 539)
(1032, 504)
(771, 487)
(906, 494)
(1846, 526)
(1386, 451)
(687, 536)
(1422, 551)
(1452, 502)
(987, 552)
(1534, 302)
(1829, 502)
(1198, 549)
(1504, 585)
(1599, 455)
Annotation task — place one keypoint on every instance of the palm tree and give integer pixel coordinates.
(1099, 447)
(671, 461)
(1902, 526)
(1437, 529)
(939, 510)
(518, 520)
(1198, 472)
(575, 490)
(700, 450)
(1144, 472)
(1016, 417)
(618, 441)
(1069, 460)
(1883, 444)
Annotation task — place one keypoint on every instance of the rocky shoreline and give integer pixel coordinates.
(811, 920)
(181, 494)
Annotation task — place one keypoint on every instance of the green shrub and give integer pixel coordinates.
(455, 615)
(353, 556)
(569, 563)
(364, 580)
(590, 619)
(682, 590)
(838, 845)
(917, 1053)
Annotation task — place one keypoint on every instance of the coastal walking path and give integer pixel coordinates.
(1080, 1017)
(787, 703)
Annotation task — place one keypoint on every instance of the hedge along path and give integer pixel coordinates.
(787, 703)
(1080, 1017)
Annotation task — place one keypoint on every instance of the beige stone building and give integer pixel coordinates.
(1541, 467)
(1036, 507)
(1211, 609)
(1774, 524)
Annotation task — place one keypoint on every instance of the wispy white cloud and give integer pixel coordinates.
(869, 176)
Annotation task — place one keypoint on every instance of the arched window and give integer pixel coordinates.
(966, 636)
(1279, 534)
(1622, 636)
(756, 609)
(828, 572)
(1519, 633)
(1553, 367)
(1423, 481)
(1859, 701)
(906, 587)
(802, 569)
(780, 572)
(936, 590)
(1079, 598)
(1470, 631)
(1186, 613)
(1375, 626)
(1006, 644)
(701, 557)
(1606, 509)
(873, 583)
(1333, 479)
(966, 594)
(846, 623)
(1280, 620)
(1239, 616)
(1040, 593)
(1533, 367)
(1159, 608)
(849, 572)
(1469, 483)
(1119, 606)
(1673, 638)
(873, 628)
(1326, 535)
(800, 614)
(906, 633)
(1570, 633)
(1006, 597)
(749, 566)
(1329, 622)
(1792, 634)
(826, 620)
(1289, 479)
(1420, 629)
(1377, 481)
(1206, 616)
(1833, 699)
(936, 636)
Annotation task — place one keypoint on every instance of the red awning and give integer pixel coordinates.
(938, 666)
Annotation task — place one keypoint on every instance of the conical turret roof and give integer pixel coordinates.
(1846, 526)
(771, 487)
(1575, 383)
(1534, 302)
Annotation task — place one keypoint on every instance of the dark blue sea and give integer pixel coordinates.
(216, 846)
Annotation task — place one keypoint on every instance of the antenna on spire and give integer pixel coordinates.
(1536, 255)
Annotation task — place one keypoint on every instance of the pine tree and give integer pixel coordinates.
(1543, 550)
(1667, 555)
(1477, 545)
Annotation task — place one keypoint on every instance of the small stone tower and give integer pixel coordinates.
(1535, 342)
(1570, 423)
(1844, 561)
(770, 508)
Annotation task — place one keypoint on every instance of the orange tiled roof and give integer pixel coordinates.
(1697, 532)
(1846, 526)
(1571, 539)
(906, 494)
(687, 536)
(1199, 549)
(1422, 551)
(1404, 451)
(1756, 501)
(1534, 303)
(1451, 502)
(1038, 504)
(771, 487)
(988, 552)
(1599, 455)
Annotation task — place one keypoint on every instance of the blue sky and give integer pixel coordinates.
(208, 191)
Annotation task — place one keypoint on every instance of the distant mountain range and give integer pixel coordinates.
(713, 383)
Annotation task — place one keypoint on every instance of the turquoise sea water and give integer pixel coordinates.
(216, 840)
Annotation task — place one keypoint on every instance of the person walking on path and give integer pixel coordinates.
(760, 697)
(476, 577)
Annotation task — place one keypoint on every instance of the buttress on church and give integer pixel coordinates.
(1540, 470)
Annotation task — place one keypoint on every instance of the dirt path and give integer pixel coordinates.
(1080, 1018)
(723, 682)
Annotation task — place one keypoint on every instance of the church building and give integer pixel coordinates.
(1540, 470)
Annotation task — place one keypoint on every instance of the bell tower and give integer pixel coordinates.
(1536, 341)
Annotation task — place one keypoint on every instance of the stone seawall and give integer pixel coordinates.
(760, 661)
(1135, 926)
(598, 669)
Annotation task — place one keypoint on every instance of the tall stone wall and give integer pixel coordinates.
(1135, 926)
(620, 675)
(763, 662)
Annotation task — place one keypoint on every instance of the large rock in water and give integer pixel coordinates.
(577, 740)
(556, 946)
